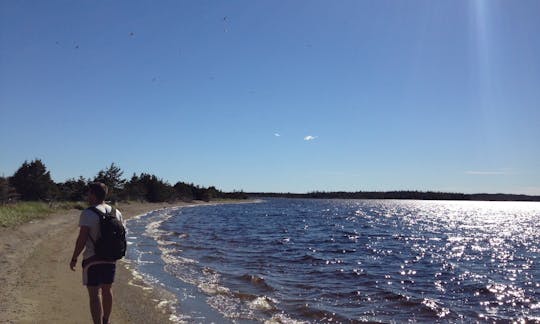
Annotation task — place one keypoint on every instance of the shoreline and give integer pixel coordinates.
(38, 286)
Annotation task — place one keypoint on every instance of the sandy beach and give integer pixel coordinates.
(38, 286)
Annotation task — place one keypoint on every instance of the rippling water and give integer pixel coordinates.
(345, 260)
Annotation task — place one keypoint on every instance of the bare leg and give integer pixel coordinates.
(95, 304)
(107, 298)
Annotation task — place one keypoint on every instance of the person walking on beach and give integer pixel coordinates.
(98, 266)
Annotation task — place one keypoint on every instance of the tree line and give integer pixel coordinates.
(33, 182)
(413, 195)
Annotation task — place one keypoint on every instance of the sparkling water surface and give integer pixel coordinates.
(345, 261)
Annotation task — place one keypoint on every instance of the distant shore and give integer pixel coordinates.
(38, 286)
(413, 195)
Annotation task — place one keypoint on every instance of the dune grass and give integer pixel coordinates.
(22, 212)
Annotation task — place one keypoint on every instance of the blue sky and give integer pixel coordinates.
(364, 95)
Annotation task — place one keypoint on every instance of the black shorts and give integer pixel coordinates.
(99, 274)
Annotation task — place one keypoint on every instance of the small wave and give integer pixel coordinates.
(350, 296)
(246, 306)
(188, 246)
(152, 229)
(349, 232)
(315, 314)
(329, 240)
(284, 240)
(212, 258)
(229, 307)
(508, 294)
(309, 258)
(243, 296)
(166, 243)
(343, 251)
(181, 235)
(138, 217)
(282, 318)
(475, 288)
(401, 299)
(435, 307)
(178, 260)
(263, 303)
(257, 281)
(139, 281)
(213, 289)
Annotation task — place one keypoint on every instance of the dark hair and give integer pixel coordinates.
(98, 189)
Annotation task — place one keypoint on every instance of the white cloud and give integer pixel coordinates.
(309, 138)
(277, 134)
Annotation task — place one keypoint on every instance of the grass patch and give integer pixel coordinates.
(22, 212)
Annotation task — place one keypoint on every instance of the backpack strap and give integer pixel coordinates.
(97, 211)
(102, 214)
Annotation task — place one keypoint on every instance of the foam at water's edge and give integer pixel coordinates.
(148, 225)
(165, 301)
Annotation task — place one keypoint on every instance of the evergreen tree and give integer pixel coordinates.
(212, 193)
(32, 181)
(148, 187)
(134, 189)
(201, 193)
(73, 189)
(156, 189)
(7, 192)
(184, 191)
(112, 177)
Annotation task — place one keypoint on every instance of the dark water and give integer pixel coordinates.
(345, 261)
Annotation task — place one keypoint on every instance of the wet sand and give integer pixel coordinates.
(37, 285)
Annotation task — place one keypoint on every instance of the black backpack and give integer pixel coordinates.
(111, 245)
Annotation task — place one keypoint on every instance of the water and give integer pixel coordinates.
(345, 261)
